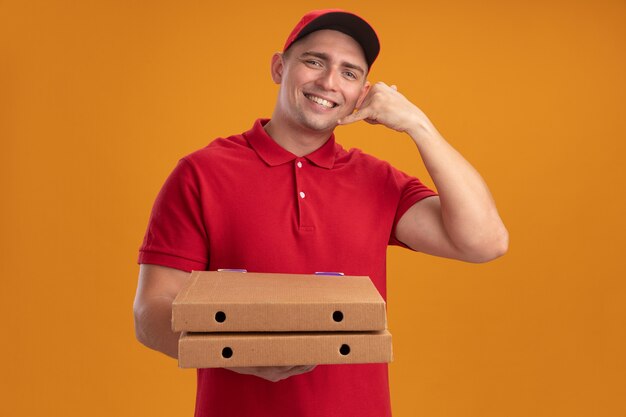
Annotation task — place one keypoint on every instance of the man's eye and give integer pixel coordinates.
(313, 63)
(350, 75)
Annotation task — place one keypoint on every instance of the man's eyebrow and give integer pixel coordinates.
(326, 57)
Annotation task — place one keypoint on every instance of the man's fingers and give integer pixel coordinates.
(296, 370)
(376, 103)
(354, 117)
(273, 373)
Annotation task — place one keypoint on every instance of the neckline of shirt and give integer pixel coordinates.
(273, 154)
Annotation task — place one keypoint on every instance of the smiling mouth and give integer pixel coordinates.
(321, 101)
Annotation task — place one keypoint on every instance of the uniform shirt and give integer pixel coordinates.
(244, 202)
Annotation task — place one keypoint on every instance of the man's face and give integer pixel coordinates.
(322, 78)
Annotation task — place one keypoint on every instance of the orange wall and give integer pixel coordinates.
(99, 99)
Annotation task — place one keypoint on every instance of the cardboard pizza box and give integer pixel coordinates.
(244, 302)
(223, 350)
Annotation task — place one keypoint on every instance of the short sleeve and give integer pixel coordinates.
(411, 191)
(176, 236)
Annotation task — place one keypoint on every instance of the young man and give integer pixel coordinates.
(285, 197)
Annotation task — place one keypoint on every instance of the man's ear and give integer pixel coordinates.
(364, 91)
(277, 67)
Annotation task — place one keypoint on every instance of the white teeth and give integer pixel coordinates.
(320, 100)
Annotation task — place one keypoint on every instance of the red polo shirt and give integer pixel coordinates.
(245, 202)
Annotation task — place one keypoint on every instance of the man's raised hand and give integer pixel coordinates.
(384, 105)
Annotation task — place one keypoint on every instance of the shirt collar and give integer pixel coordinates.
(273, 154)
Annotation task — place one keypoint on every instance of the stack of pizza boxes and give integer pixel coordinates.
(231, 319)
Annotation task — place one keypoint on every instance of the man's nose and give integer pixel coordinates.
(328, 80)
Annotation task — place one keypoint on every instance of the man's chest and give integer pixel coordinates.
(298, 203)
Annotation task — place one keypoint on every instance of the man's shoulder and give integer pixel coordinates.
(220, 149)
(370, 169)
(358, 157)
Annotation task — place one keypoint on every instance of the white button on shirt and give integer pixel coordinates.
(302, 195)
(299, 164)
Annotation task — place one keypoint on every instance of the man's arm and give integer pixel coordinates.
(463, 222)
(157, 288)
